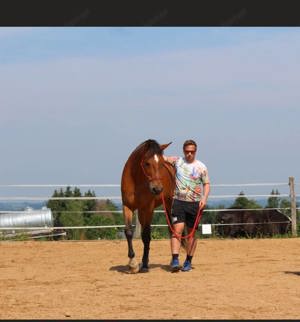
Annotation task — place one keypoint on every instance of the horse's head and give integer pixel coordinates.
(152, 164)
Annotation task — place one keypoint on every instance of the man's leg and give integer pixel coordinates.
(191, 247)
(192, 240)
(178, 223)
(192, 243)
(175, 245)
(175, 240)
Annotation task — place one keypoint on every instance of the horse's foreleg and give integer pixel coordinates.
(146, 237)
(133, 265)
(145, 218)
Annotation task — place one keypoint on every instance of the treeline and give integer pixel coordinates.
(76, 212)
(70, 213)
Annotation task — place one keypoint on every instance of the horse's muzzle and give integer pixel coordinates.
(156, 189)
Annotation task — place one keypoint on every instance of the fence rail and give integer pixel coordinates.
(118, 185)
(123, 226)
(292, 195)
(119, 197)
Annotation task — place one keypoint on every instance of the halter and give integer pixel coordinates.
(148, 177)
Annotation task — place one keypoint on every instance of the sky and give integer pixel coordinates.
(75, 101)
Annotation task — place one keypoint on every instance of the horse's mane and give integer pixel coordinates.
(150, 147)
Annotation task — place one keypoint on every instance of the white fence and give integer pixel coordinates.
(289, 186)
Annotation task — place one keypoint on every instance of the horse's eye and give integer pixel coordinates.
(147, 164)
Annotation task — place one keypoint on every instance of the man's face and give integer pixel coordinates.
(190, 153)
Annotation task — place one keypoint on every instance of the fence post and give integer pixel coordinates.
(293, 206)
(137, 231)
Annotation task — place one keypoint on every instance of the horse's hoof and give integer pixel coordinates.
(133, 266)
(144, 269)
(134, 270)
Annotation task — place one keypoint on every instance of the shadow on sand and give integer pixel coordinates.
(125, 268)
(295, 273)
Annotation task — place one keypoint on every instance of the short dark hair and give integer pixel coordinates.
(189, 142)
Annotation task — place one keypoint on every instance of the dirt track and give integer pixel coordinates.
(231, 279)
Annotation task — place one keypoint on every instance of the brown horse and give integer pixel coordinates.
(145, 177)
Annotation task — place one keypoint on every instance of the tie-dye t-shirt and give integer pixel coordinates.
(189, 178)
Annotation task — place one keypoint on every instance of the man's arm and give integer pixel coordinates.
(171, 160)
(206, 190)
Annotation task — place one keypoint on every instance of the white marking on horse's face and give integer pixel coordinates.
(156, 158)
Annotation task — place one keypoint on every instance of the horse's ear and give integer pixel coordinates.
(164, 146)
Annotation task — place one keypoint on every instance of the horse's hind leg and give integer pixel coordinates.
(133, 265)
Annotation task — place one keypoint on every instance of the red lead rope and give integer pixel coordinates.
(192, 233)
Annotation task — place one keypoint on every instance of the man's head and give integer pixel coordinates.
(189, 150)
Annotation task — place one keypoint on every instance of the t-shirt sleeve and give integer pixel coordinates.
(205, 176)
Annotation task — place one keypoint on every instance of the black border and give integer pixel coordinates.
(123, 13)
(149, 13)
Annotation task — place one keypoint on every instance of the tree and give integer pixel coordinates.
(101, 233)
(242, 202)
(285, 207)
(107, 218)
(89, 205)
(57, 206)
(273, 202)
(73, 216)
(70, 212)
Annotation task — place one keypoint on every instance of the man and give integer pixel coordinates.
(191, 175)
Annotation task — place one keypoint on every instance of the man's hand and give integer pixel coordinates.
(202, 203)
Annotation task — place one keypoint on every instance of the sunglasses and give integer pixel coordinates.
(187, 151)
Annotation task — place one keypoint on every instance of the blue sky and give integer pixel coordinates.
(76, 101)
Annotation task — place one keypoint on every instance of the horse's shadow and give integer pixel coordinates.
(290, 272)
(125, 269)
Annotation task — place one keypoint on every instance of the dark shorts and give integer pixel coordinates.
(184, 211)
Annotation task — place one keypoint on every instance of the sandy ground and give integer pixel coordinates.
(231, 279)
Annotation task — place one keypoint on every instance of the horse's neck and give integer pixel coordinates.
(170, 168)
(133, 166)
